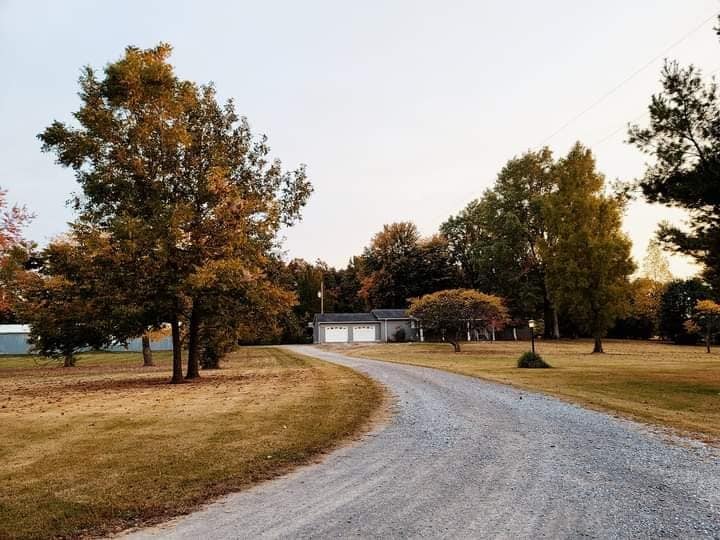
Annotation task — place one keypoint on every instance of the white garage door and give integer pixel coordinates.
(363, 333)
(336, 334)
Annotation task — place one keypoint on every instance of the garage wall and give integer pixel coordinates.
(350, 327)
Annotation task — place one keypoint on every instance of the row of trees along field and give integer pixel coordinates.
(180, 205)
(547, 238)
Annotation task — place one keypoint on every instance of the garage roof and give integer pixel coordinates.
(374, 316)
(390, 313)
(14, 328)
(344, 317)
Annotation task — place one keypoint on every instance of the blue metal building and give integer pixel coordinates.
(14, 340)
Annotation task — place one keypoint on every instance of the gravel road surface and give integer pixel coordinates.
(463, 458)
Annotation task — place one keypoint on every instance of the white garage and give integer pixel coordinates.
(377, 326)
(336, 334)
(364, 333)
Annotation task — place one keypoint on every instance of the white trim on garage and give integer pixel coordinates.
(336, 334)
(347, 322)
(364, 333)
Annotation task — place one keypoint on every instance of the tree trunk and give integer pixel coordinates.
(69, 360)
(707, 339)
(455, 340)
(193, 366)
(551, 331)
(147, 351)
(598, 345)
(177, 376)
(547, 317)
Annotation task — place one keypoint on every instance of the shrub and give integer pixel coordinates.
(532, 360)
(399, 335)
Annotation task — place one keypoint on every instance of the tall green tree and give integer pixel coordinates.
(56, 297)
(683, 137)
(389, 266)
(707, 317)
(347, 288)
(307, 279)
(170, 174)
(677, 307)
(237, 306)
(435, 270)
(399, 264)
(496, 239)
(588, 261)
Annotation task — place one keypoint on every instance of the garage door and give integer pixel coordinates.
(363, 333)
(336, 334)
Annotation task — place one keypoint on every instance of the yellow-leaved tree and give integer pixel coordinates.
(707, 319)
(587, 256)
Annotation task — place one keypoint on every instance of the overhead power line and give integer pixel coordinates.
(618, 129)
(625, 125)
(629, 78)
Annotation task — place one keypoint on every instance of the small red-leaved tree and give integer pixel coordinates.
(452, 310)
(13, 220)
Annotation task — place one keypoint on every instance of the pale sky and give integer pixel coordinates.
(402, 110)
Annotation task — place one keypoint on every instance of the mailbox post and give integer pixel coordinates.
(531, 324)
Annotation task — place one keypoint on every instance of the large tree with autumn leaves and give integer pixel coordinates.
(178, 182)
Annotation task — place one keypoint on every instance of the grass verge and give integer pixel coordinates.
(666, 385)
(94, 449)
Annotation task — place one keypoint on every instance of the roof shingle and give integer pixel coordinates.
(344, 317)
(390, 313)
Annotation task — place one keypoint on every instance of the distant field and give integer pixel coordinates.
(668, 385)
(99, 447)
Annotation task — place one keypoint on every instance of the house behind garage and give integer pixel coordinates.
(379, 325)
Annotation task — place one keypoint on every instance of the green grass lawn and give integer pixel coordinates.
(96, 448)
(667, 385)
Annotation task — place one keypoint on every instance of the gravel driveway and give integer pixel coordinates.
(463, 458)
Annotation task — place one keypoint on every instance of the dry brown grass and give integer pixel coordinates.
(108, 444)
(666, 385)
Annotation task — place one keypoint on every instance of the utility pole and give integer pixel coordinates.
(321, 296)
